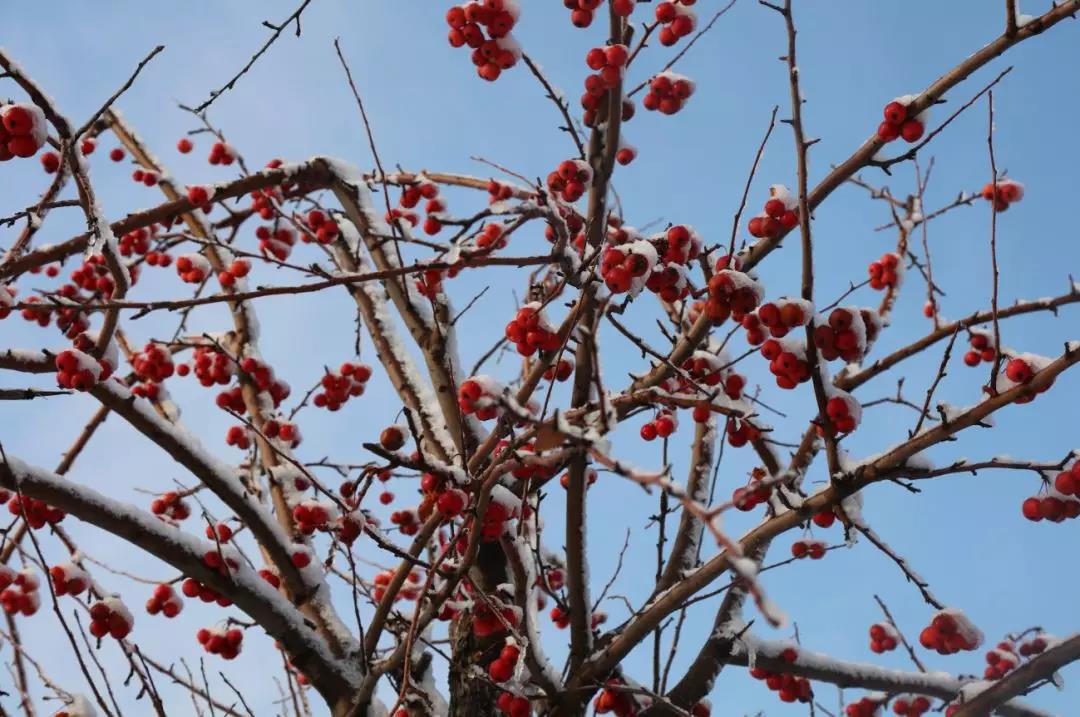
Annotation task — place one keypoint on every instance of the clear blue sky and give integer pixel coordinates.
(964, 534)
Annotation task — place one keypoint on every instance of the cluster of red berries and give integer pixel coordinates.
(502, 667)
(1001, 660)
(93, 276)
(1035, 646)
(170, 506)
(677, 20)
(488, 622)
(899, 123)
(137, 241)
(498, 192)
(277, 243)
(787, 362)
(350, 381)
(68, 579)
(865, 707)
(498, 514)
(847, 334)
(494, 52)
(739, 432)
(192, 268)
(164, 601)
(982, 349)
(407, 521)
(583, 11)
(38, 513)
(19, 591)
(668, 93)
(42, 316)
(628, 267)
(662, 425)
(883, 637)
(1003, 193)
(808, 548)
(80, 371)
(218, 641)
(608, 65)
(950, 632)
(789, 688)
(707, 369)
(324, 229)
(560, 371)
(211, 367)
(153, 364)
(238, 269)
(513, 705)
(732, 292)
(285, 431)
(479, 395)
(615, 700)
(312, 515)
(1050, 508)
(110, 617)
(429, 282)
(910, 705)
(753, 494)
(778, 317)
(146, 177)
(223, 154)
(492, 237)
(192, 588)
(569, 181)
(410, 589)
(780, 214)
(22, 131)
(885, 273)
(411, 195)
(843, 411)
(1019, 371)
(262, 375)
(530, 331)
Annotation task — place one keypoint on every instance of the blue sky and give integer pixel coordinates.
(428, 110)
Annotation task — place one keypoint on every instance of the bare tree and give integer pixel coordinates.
(465, 581)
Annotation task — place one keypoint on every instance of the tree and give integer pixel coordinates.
(466, 582)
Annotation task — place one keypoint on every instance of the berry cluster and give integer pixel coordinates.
(492, 237)
(668, 92)
(663, 425)
(627, 267)
(1003, 193)
(238, 269)
(110, 617)
(502, 667)
(950, 632)
(560, 371)
(899, 123)
(883, 637)
(171, 507)
(496, 51)
(68, 579)
(312, 515)
(164, 601)
(80, 371)
(192, 588)
(808, 548)
(753, 494)
(847, 334)
(530, 331)
(677, 20)
(22, 131)
(262, 375)
(277, 243)
(93, 276)
(479, 395)
(778, 317)
(488, 622)
(886, 272)
(910, 705)
(498, 192)
(1035, 646)
(146, 177)
(192, 268)
(569, 180)
(789, 688)
(865, 707)
(787, 362)
(434, 207)
(1063, 502)
(19, 591)
(843, 411)
(608, 65)
(739, 432)
(321, 229)
(707, 369)
(982, 348)
(513, 705)
(350, 381)
(1000, 660)
(223, 154)
(615, 700)
(1020, 370)
(211, 367)
(153, 364)
(779, 215)
(37, 513)
(285, 431)
(219, 641)
(732, 292)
